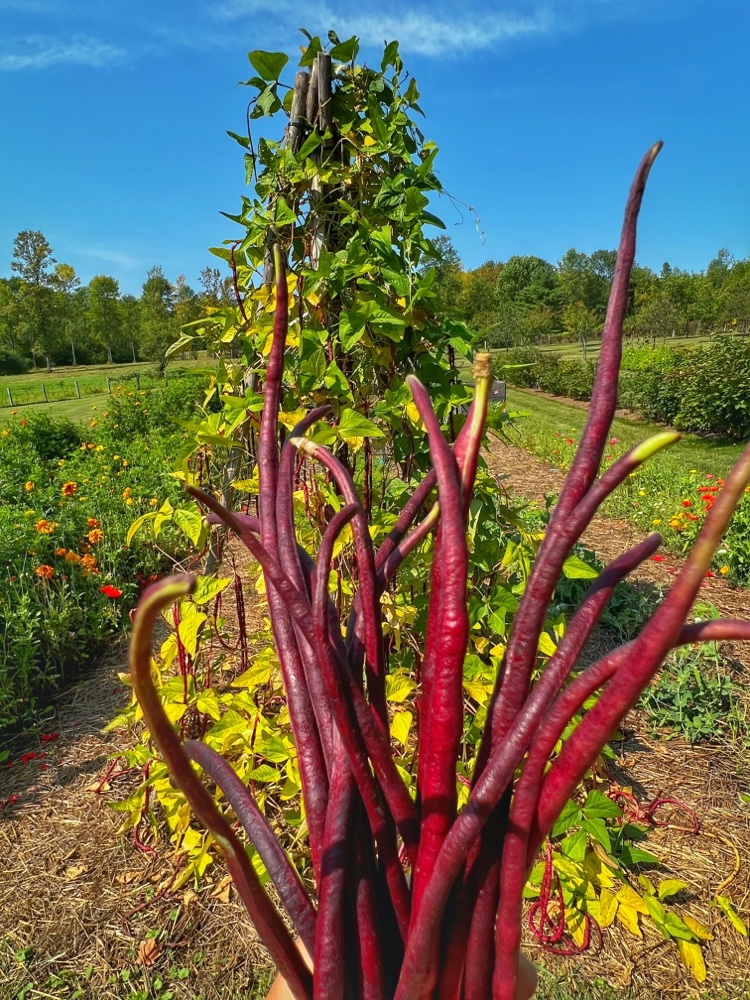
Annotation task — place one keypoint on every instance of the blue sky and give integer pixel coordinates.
(113, 121)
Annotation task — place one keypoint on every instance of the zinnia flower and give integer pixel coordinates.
(110, 591)
(69, 489)
(44, 572)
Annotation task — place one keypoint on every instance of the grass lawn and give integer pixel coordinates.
(574, 351)
(62, 395)
(547, 416)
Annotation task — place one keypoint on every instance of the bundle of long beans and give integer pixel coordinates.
(414, 898)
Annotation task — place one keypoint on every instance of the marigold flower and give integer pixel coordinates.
(69, 489)
(100, 447)
(93, 523)
(28, 486)
(126, 492)
(95, 536)
(72, 557)
(568, 440)
(23, 423)
(45, 527)
(656, 520)
(724, 570)
(89, 563)
(92, 423)
(129, 502)
(60, 552)
(44, 572)
(5, 433)
(110, 591)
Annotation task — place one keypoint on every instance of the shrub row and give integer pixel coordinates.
(68, 494)
(704, 389)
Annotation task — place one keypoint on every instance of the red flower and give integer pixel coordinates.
(657, 558)
(709, 575)
(48, 737)
(30, 756)
(693, 517)
(110, 591)
(687, 503)
(568, 440)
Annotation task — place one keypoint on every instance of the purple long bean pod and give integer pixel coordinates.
(263, 913)
(445, 647)
(532, 608)
(656, 639)
(285, 877)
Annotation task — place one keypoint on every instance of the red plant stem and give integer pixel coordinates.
(263, 914)
(259, 830)
(330, 960)
(369, 937)
(445, 647)
(654, 642)
(532, 608)
(353, 739)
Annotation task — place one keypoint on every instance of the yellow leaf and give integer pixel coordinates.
(75, 870)
(498, 651)
(629, 897)
(476, 690)
(629, 918)
(576, 924)
(699, 929)
(607, 907)
(546, 645)
(369, 141)
(692, 958)
(413, 414)
(481, 642)
(732, 916)
(401, 725)
(597, 871)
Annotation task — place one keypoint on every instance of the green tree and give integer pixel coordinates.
(65, 281)
(104, 315)
(157, 315)
(580, 322)
(130, 322)
(32, 261)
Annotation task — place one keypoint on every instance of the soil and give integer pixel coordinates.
(76, 895)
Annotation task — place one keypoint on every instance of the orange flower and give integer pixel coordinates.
(69, 489)
(93, 523)
(45, 527)
(72, 557)
(60, 552)
(126, 493)
(29, 486)
(95, 536)
(89, 563)
(45, 572)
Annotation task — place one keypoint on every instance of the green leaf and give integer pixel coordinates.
(576, 569)
(390, 57)
(268, 65)
(208, 587)
(208, 703)
(600, 806)
(725, 904)
(574, 846)
(182, 344)
(265, 773)
(629, 856)
(596, 828)
(138, 524)
(192, 525)
(354, 427)
(656, 910)
(308, 56)
(569, 817)
(670, 887)
(284, 215)
(309, 146)
(345, 51)
(273, 749)
(351, 328)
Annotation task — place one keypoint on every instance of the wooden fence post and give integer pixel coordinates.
(10, 397)
(44, 393)
(78, 389)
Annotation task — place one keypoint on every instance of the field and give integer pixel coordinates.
(67, 389)
(575, 350)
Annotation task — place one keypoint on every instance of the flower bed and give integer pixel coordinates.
(68, 495)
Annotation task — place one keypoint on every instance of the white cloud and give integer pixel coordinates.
(436, 29)
(111, 255)
(34, 52)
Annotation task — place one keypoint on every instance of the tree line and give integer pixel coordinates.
(528, 300)
(47, 317)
